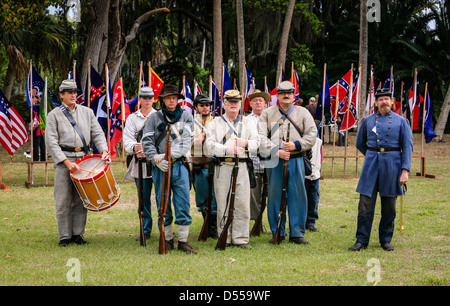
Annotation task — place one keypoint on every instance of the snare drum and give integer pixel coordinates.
(95, 183)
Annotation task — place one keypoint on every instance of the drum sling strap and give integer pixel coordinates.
(75, 126)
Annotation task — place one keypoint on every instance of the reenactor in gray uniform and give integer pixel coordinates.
(181, 127)
(227, 136)
(66, 145)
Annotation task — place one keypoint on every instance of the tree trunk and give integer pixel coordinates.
(285, 38)
(241, 41)
(116, 41)
(9, 81)
(217, 36)
(363, 55)
(98, 30)
(443, 116)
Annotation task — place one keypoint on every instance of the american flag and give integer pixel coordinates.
(294, 81)
(186, 104)
(13, 132)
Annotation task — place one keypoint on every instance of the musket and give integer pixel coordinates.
(282, 213)
(256, 229)
(165, 195)
(222, 242)
(141, 204)
(203, 236)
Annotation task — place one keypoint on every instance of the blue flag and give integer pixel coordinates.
(97, 95)
(327, 104)
(428, 125)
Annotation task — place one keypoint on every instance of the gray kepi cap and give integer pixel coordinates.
(285, 87)
(146, 92)
(68, 85)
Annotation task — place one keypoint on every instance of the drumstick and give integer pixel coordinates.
(95, 167)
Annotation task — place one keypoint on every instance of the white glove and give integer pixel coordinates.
(163, 165)
(158, 158)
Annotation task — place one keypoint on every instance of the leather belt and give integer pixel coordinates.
(232, 159)
(382, 149)
(71, 149)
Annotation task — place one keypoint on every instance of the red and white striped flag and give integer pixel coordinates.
(13, 132)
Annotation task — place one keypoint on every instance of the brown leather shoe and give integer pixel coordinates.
(298, 240)
(169, 245)
(185, 247)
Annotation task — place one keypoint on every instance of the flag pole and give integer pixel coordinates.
(107, 108)
(122, 105)
(265, 88)
(334, 130)
(184, 90)
(371, 95)
(45, 112)
(323, 101)
(358, 109)
(350, 95)
(31, 118)
(423, 117)
(149, 64)
(89, 85)
(391, 81)
(140, 83)
(74, 72)
(401, 99)
(242, 87)
(292, 71)
(414, 99)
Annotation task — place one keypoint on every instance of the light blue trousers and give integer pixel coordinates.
(179, 194)
(296, 199)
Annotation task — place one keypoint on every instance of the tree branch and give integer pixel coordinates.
(141, 19)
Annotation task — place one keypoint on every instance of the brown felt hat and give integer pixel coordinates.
(259, 93)
(171, 90)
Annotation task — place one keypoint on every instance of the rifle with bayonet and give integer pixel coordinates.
(256, 229)
(165, 194)
(282, 213)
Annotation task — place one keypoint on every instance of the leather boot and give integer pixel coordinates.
(185, 247)
(358, 246)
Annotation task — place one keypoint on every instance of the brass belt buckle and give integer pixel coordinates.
(78, 149)
(381, 149)
(228, 159)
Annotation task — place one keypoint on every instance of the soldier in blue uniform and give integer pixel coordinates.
(386, 141)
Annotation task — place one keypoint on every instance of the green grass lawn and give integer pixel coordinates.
(29, 254)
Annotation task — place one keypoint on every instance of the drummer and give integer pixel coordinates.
(66, 145)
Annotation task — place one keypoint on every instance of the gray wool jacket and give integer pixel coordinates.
(60, 132)
(182, 136)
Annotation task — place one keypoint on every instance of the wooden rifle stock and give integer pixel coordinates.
(282, 213)
(256, 229)
(222, 242)
(141, 204)
(165, 195)
(203, 236)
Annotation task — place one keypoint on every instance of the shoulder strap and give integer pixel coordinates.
(75, 126)
(290, 119)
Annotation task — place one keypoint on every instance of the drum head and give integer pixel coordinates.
(92, 167)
